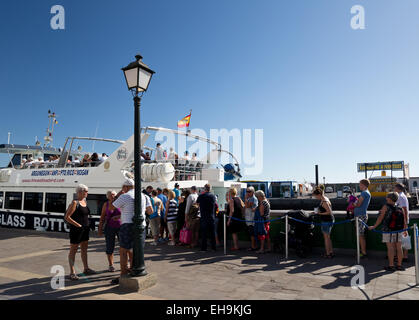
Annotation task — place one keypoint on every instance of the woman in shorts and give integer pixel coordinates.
(77, 215)
(392, 240)
(327, 219)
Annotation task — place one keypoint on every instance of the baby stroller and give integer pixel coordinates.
(300, 235)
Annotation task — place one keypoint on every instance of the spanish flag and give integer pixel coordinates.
(184, 122)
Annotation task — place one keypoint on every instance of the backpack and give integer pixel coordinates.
(396, 220)
(194, 211)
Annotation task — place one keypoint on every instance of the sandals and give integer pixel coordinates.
(252, 249)
(88, 272)
(390, 268)
(234, 249)
(115, 281)
(111, 269)
(400, 268)
(326, 256)
(260, 251)
(73, 277)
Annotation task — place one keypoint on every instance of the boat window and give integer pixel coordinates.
(56, 202)
(1, 199)
(15, 160)
(13, 200)
(33, 201)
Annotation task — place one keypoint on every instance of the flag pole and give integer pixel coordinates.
(190, 116)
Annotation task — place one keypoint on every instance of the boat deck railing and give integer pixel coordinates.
(50, 165)
(184, 169)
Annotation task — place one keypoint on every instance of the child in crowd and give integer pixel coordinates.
(350, 209)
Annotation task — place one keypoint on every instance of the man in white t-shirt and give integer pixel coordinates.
(403, 203)
(124, 201)
(172, 154)
(159, 153)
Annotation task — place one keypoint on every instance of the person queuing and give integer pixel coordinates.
(360, 211)
(393, 219)
(403, 203)
(250, 204)
(326, 216)
(193, 216)
(77, 215)
(177, 193)
(171, 216)
(109, 224)
(124, 201)
(154, 217)
(264, 211)
(234, 210)
(162, 194)
(206, 203)
(181, 216)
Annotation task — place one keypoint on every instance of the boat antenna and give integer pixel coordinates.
(93, 144)
(52, 121)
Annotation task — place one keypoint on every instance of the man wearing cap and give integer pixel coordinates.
(124, 201)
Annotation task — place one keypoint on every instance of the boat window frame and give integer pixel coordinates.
(31, 209)
(21, 200)
(46, 202)
(1, 199)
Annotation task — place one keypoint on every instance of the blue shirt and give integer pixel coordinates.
(163, 199)
(177, 193)
(362, 210)
(254, 201)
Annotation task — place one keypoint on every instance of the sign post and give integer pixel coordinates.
(286, 237)
(357, 239)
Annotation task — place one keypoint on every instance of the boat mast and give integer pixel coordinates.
(52, 121)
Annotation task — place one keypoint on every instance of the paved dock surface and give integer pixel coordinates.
(26, 258)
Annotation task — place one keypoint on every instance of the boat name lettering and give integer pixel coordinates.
(63, 172)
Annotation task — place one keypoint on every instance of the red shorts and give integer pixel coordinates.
(263, 237)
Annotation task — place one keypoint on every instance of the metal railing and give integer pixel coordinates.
(184, 169)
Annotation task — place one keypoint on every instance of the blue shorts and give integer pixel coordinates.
(327, 228)
(126, 236)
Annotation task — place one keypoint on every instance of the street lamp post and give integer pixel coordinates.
(137, 75)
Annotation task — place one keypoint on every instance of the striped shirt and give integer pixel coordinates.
(266, 209)
(172, 212)
(125, 203)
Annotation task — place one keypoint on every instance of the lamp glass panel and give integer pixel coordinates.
(143, 79)
(131, 76)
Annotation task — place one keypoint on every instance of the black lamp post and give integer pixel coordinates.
(138, 76)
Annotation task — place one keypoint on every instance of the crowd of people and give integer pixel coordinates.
(393, 217)
(161, 155)
(168, 213)
(88, 160)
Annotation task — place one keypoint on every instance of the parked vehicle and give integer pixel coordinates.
(328, 190)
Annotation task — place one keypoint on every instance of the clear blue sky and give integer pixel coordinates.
(323, 93)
